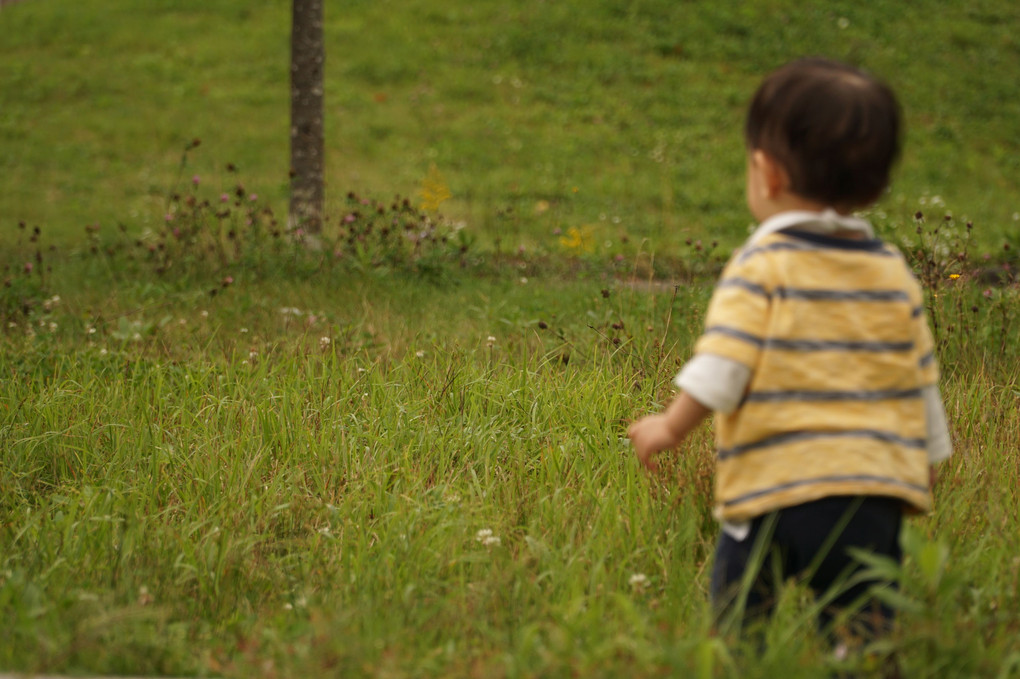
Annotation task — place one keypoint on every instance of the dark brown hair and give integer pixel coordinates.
(832, 127)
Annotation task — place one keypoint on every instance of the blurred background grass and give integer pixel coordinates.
(622, 116)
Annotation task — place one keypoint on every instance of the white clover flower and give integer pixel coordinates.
(420, 353)
(490, 341)
(639, 581)
(843, 23)
(487, 539)
(324, 342)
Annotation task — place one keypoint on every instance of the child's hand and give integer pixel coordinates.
(655, 433)
(650, 436)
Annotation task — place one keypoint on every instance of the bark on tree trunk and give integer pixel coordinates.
(307, 63)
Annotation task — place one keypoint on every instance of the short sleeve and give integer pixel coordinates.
(925, 349)
(737, 317)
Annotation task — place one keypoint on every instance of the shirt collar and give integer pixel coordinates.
(826, 222)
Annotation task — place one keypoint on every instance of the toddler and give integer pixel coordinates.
(816, 356)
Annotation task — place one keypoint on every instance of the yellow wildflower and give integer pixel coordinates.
(434, 190)
(578, 240)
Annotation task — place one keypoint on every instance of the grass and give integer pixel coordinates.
(625, 119)
(224, 455)
(204, 485)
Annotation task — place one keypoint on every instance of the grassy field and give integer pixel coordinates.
(227, 455)
(402, 480)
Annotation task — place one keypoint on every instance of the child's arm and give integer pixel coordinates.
(655, 433)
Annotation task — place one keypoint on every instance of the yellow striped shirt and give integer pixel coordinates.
(835, 335)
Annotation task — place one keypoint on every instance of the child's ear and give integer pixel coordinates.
(776, 181)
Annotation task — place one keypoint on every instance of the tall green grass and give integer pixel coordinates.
(441, 488)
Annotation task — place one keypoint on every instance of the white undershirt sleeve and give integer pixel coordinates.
(940, 446)
(715, 382)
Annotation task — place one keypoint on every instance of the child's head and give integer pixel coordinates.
(833, 129)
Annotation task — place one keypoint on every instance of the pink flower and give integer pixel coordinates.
(169, 217)
(253, 197)
(28, 267)
(195, 180)
(224, 198)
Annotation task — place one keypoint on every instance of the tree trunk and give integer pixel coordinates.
(307, 63)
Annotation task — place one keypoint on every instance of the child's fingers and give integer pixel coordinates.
(646, 457)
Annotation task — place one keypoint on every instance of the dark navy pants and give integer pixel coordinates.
(810, 542)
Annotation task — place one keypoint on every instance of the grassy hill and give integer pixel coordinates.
(620, 116)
